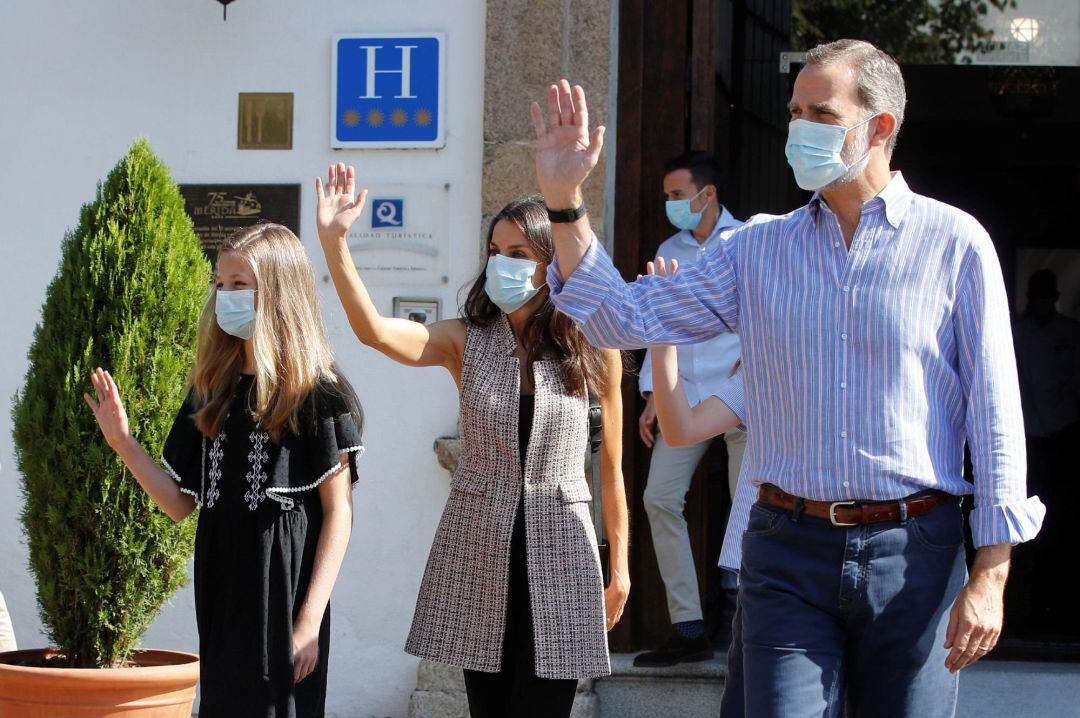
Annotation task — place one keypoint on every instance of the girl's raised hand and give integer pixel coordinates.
(660, 268)
(337, 207)
(108, 409)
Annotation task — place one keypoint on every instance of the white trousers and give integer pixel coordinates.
(670, 474)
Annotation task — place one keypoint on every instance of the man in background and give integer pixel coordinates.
(692, 185)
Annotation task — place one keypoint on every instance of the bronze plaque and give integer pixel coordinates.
(218, 210)
(264, 121)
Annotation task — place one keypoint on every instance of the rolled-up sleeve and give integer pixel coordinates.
(730, 390)
(738, 518)
(645, 382)
(1003, 513)
(699, 302)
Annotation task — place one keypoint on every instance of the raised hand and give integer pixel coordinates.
(660, 268)
(566, 152)
(337, 207)
(108, 409)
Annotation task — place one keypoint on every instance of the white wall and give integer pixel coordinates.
(80, 81)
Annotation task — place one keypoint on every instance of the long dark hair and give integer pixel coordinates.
(548, 334)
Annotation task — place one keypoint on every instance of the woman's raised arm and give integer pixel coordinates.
(405, 341)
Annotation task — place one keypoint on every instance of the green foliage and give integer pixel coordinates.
(912, 31)
(127, 297)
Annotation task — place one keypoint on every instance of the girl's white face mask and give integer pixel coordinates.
(235, 312)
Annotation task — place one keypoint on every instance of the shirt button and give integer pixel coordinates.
(843, 434)
(847, 288)
(836, 244)
(847, 484)
(843, 337)
(843, 385)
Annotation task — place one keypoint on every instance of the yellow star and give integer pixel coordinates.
(351, 118)
(422, 118)
(375, 118)
(398, 118)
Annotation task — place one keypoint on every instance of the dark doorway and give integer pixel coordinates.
(693, 74)
(1000, 143)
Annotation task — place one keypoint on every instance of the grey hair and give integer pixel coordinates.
(878, 81)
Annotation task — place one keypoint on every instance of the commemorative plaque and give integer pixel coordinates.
(218, 210)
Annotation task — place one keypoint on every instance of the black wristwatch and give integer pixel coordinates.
(567, 215)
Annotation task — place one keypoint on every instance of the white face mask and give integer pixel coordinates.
(509, 282)
(814, 151)
(235, 312)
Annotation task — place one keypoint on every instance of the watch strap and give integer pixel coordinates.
(567, 215)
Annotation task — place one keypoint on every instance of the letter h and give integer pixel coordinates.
(405, 72)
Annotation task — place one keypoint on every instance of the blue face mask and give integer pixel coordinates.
(509, 282)
(679, 214)
(814, 152)
(236, 312)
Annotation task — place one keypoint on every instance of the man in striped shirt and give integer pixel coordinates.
(876, 342)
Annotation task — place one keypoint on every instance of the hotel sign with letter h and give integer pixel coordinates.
(389, 90)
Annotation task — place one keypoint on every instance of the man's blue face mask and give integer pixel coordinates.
(680, 214)
(814, 152)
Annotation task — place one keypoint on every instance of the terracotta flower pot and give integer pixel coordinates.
(160, 684)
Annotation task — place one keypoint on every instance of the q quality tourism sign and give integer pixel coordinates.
(401, 238)
(389, 90)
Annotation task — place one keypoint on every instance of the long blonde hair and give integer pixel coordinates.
(292, 352)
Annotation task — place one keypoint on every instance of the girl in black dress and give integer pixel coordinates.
(266, 444)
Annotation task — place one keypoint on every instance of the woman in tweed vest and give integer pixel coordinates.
(513, 592)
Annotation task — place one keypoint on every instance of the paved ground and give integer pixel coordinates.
(1000, 689)
(990, 689)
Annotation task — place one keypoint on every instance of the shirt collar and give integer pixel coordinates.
(896, 196)
(724, 222)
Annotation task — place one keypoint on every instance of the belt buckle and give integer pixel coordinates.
(832, 513)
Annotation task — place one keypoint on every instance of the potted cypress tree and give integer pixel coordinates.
(128, 293)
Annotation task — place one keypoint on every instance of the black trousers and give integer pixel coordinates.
(516, 691)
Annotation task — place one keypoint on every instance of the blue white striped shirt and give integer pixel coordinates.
(704, 364)
(866, 368)
(732, 393)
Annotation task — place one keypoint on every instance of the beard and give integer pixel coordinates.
(856, 155)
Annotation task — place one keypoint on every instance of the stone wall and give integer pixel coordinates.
(531, 44)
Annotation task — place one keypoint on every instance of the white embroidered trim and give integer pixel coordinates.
(257, 476)
(169, 470)
(287, 503)
(215, 471)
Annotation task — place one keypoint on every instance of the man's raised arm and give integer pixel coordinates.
(565, 155)
(695, 304)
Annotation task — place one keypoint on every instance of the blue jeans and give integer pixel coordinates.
(851, 616)
(732, 704)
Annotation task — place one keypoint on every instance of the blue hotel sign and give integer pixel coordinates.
(389, 90)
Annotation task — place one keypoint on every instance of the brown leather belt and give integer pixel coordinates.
(857, 513)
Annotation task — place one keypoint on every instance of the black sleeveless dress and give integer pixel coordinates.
(259, 525)
(516, 690)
